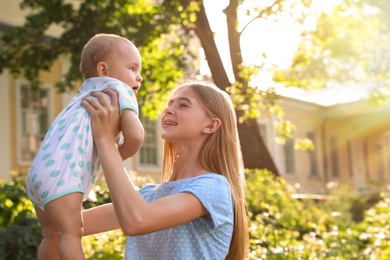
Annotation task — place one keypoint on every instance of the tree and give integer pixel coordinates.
(349, 44)
(26, 50)
(255, 156)
(161, 31)
(248, 98)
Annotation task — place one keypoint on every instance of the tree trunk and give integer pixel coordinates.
(255, 153)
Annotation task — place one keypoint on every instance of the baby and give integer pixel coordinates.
(67, 165)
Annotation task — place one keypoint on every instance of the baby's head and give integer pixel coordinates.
(113, 56)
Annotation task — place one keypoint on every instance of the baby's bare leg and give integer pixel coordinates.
(48, 249)
(65, 215)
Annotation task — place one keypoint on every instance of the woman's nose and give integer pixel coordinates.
(167, 110)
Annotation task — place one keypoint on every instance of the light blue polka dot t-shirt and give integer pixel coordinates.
(199, 239)
(67, 161)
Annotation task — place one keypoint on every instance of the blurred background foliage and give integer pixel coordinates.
(341, 225)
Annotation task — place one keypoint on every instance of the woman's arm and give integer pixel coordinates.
(100, 219)
(134, 214)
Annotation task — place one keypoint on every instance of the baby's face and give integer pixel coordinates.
(125, 64)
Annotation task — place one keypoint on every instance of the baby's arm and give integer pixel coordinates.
(133, 134)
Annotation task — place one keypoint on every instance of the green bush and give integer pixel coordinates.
(19, 229)
(14, 204)
(374, 229)
(286, 228)
(278, 223)
(281, 227)
(109, 245)
(20, 241)
(20, 233)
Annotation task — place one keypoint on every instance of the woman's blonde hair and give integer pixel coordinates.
(97, 49)
(221, 153)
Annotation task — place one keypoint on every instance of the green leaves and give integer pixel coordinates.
(14, 204)
(27, 50)
(349, 44)
(285, 228)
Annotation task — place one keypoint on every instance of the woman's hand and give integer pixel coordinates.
(104, 114)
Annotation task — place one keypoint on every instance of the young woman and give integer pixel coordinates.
(198, 211)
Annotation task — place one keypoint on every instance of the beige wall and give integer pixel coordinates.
(363, 145)
(5, 130)
(11, 13)
(366, 165)
(305, 117)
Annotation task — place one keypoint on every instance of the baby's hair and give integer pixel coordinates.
(97, 49)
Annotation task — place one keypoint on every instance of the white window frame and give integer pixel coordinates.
(387, 155)
(380, 163)
(334, 155)
(157, 166)
(18, 110)
(268, 134)
(312, 135)
(350, 158)
(294, 159)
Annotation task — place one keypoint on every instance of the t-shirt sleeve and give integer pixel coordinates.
(214, 193)
(126, 97)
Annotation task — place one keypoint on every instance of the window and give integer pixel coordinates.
(388, 152)
(148, 154)
(313, 162)
(289, 156)
(366, 154)
(334, 157)
(379, 156)
(350, 158)
(33, 120)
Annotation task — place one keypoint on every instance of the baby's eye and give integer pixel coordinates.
(183, 105)
(132, 68)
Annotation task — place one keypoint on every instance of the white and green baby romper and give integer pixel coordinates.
(67, 161)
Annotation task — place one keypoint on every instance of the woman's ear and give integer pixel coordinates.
(212, 126)
(102, 69)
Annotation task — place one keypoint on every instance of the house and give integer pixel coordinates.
(26, 114)
(351, 136)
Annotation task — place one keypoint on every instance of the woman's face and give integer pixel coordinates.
(184, 119)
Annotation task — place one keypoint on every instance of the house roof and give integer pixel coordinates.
(342, 100)
(336, 95)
